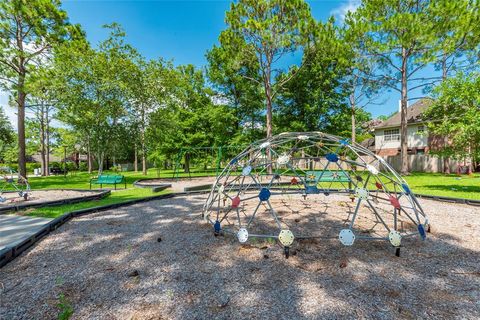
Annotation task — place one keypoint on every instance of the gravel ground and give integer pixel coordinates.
(159, 260)
(38, 196)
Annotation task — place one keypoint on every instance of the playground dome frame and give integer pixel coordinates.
(312, 164)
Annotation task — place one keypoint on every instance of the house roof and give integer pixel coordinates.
(414, 113)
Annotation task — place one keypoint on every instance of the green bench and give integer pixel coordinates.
(326, 176)
(108, 179)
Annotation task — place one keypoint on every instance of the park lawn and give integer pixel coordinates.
(437, 184)
(117, 196)
(81, 180)
(467, 187)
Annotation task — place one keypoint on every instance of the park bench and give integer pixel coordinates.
(108, 179)
(326, 176)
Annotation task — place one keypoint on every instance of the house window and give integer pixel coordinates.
(420, 129)
(391, 135)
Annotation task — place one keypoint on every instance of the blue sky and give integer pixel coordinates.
(180, 30)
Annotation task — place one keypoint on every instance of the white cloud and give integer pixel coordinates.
(341, 12)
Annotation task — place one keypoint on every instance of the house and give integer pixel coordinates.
(387, 133)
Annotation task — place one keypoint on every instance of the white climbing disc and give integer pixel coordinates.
(264, 145)
(283, 159)
(242, 235)
(361, 193)
(246, 171)
(302, 137)
(372, 169)
(347, 237)
(221, 189)
(395, 238)
(286, 237)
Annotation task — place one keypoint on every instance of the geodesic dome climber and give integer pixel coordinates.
(11, 181)
(296, 186)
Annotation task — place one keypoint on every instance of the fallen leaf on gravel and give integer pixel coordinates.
(133, 273)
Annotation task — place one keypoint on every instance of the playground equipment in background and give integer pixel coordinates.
(203, 161)
(12, 181)
(313, 165)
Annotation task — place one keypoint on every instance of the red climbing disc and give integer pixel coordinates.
(235, 202)
(394, 202)
(378, 185)
(294, 181)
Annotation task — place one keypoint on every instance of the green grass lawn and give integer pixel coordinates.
(81, 180)
(115, 197)
(464, 186)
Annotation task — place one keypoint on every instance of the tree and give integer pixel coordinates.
(148, 87)
(312, 98)
(396, 35)
(28, 31)
(233, 87)
(91, 88)
(454, 116)
(41, 103)
(7, 136)
(458, 41)
(266, 31)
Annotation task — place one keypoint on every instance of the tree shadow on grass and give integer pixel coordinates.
(190, 274)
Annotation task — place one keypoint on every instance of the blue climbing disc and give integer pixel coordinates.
(406, 188)
(332, 157)
(216, 226)
(344, 142)
(233, 161)
(264, 194)
(312, 190)
(421, 230)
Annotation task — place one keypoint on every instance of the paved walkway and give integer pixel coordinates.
(14, 229)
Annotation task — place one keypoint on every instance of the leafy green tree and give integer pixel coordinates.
(457, 36)
(457, 41)
(396, 35)
(231, 80)
(311, 99)
(189, 118)
(91, 88)
(28, 31)
(149, 87)
(454, 116)
(265, 31)
(7, 136)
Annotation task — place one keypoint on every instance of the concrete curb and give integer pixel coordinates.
(155, 187)
(96, 196)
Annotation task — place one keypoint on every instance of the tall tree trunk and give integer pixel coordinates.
(135, 160)
(187, 162)
(42, 139)
(100, 158)
(352, 104)
(144, 154)
(403, 115)
(89, 157)
(47, 143)
(446, 161)
(21, 96)
(269, 111)
(268, 95)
